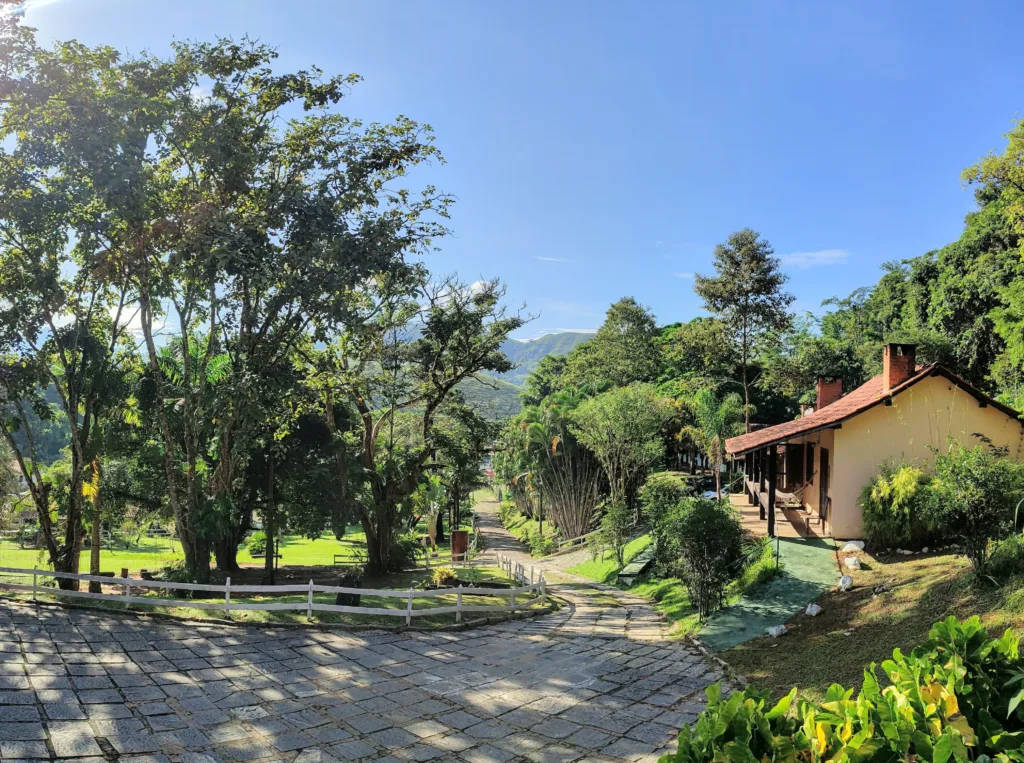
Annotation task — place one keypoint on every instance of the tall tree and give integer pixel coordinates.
(378, 372)
(70, 141)
(622, 427)
(623, 351)
(246, 233)
(747, 294)
(569, 472)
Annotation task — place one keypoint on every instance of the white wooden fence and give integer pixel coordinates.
(529, 594)
(519, 572)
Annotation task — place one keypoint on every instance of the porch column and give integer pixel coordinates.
(748, 476)
(762, 456)
(771, 495)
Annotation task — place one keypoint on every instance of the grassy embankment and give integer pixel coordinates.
(669, 595)
(895, 601)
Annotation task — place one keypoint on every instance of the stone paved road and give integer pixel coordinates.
(91, 685)
(597, 680)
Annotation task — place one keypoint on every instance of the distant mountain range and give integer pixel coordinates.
(527, 354)
(498, 397)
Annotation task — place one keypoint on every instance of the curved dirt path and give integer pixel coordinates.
(594, 681)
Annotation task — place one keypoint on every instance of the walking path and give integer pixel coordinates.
(594, 609)
(809, 569)
(594, 681)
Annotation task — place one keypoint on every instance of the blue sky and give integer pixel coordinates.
(602, 149)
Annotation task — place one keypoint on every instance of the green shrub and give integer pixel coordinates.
(1006, 560)
(506, 512)
(257, 543)
(897, 508)
(443, 576)
(957, 697)
(975, 492)
(542, 546)
(661, 493)
(759, 564)
(405, 552)
(709, 541)
(616, 525)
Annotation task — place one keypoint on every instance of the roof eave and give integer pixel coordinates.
(929, 370)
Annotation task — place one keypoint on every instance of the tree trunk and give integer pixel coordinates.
(269, 529)
(94, 552)
(439, 537)
(746, 386)
(225, 550)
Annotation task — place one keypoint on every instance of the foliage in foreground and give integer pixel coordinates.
(956, 697)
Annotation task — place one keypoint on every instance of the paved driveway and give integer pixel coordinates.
(593, 681)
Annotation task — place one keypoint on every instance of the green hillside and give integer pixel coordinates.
(492, 398)
(498, 397)
(526, 354)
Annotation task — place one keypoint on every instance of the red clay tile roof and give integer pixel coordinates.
(867, 395)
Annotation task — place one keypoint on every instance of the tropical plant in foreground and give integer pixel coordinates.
(956, 697)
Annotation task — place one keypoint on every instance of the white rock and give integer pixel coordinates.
(813, 610)
(852, 563)
(845, 583)
(776, 630)
(924, 550)
(853, 547)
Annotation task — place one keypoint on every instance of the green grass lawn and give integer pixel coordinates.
(605, 568)
(155, 553)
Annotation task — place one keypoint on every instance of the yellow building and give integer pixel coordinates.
(816, 466)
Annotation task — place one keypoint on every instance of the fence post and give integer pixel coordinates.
(531, 574)
(458, 604)
(227, 597)
(408, 611)
(34, 573)
(309, 602)
(512, 600)
(127, 592)
(543, 592)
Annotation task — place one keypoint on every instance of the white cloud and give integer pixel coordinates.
(477, 287)
(545, 332)
(683, 275)
(813, 259)
(554, 259)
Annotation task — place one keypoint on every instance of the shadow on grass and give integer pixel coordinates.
(857, 628)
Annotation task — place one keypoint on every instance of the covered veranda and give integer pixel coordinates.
(785, 491)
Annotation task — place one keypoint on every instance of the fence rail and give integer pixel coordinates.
(534, 592)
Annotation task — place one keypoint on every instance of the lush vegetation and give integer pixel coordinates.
(970, 498)
(232, 319)
(955, 697)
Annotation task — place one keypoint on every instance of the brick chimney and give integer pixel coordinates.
(899, 362)
(828, 392)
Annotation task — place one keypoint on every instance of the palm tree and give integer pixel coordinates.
(715, 421)
(568, 474)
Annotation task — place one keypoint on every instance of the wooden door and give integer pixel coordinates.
(823, 475)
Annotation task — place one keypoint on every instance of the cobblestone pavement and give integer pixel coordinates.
(596, 680)
(97, 685)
